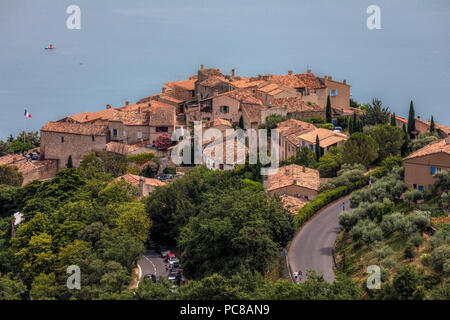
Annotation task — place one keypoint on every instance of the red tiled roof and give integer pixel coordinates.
(433, 148)
(75, 128)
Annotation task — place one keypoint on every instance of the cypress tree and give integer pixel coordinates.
(329, 117)
(393, 120)
(355, 123)
(432, 125)
(69, 162)
(350, 126)
(317, 148)
(241, 123)
(411, 119)
(405, 146)
(360, 126)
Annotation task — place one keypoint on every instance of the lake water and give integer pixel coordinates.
(126, 50)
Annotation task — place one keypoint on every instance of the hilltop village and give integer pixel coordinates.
(221, 101)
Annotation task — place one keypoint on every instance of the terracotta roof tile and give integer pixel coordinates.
(134, 180)
(434, 147)
(162, 114)
(185, 84)
(294, 175)
(75, 128)
(326, 137)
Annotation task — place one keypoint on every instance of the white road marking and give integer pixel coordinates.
(154, 267)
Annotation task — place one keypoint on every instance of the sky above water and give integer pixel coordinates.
(126, 50)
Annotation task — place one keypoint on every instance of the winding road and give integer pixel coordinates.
(312, 247)
(151, 263)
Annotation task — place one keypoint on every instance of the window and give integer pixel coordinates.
(415, 186)
(420, 188)
(221, 166)
(139, 135)
(289, 148)
(434, 170)
(162, 129)
(62, 139)
(93, 138)
(303, 143)
(115, 132)
(224, 109)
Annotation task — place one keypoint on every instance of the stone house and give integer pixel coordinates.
(289, 128)
(293, 180)
(162, 120)
(31, 169)
(59, 140)
(422, 165)
(224, 154)
(327, 139)
(145, 185)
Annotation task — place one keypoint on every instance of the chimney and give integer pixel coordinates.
(309, 70)
(303, 168)
(418, 117)
(295, 181)
(139, 110)
(329, 78)
(201, 66)
(344, 82)
(127, 102)
(216, 92)
(289, 72)
(232, 72)
(108, 106)
(141, 186)
(163, 90)
(86, 117)
(325, 77)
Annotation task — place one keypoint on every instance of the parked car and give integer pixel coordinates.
(338, 129)
(151, 277)
(172, 276)
(169, 256)
(164, 253)
(174, 263)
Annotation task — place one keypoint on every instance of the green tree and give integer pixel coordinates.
(411, 119)
(432, 125)
(116, 192)
(10, 175)
(423, 139)
(132, 220)
(389, 139)
(330, 163)
(44, 287)
(241, 122)
(328, 114)
(69, 162)
(360, 148)
(393, 123)
(405, 145)
(317, 149)
(375, 114)
(8, 196)
(407, 284)
(19, 146)
(10, 288)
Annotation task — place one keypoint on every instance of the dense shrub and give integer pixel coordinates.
(439, 257)
(319, 202)
(391, 223)
(411, 196)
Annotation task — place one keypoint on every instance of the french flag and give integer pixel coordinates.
(27, 115)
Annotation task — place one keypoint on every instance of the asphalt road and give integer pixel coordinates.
(312, 247)
(152, 263)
